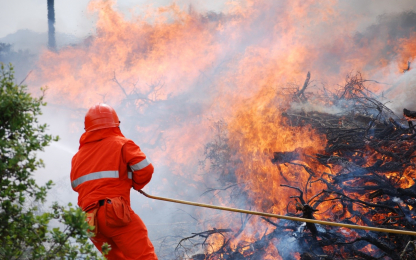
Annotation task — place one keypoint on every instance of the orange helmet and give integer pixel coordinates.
(100, 116)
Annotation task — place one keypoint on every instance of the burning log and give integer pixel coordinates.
(285, 157)
(408, 113)
(308, 213)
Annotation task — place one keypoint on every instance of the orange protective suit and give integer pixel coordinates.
(104, 169)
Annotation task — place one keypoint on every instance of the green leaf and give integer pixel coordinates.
(24, 232)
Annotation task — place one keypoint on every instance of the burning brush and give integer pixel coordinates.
(364, 175)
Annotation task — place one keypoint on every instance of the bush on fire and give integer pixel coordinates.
(24, 233)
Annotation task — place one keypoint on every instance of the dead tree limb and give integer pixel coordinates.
(301, 92)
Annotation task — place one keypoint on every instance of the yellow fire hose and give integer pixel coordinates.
(385, 230)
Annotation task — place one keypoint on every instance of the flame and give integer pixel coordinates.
(257, 131)
(175, 71)
(135, 51)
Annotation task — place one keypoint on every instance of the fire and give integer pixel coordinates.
(257, 131)
(173, 71)
(134, 51)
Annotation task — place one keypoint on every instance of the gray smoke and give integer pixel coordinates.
(168, 223)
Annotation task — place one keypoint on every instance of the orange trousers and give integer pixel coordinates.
(128, 242)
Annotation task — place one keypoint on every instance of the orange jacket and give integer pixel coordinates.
(108, 165)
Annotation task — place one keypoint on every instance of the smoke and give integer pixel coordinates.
(311, 107)
(172, 72)
(403, 93)
(392, 37)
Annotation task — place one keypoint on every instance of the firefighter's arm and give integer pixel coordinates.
(140, 166)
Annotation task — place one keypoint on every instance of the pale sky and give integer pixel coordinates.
(72, 16)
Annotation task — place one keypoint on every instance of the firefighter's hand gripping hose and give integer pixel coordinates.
(385, 230)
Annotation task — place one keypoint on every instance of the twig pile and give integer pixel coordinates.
(370, 160)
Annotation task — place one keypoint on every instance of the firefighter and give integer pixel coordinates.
(105, 168)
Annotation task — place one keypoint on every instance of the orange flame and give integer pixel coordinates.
(236, 66)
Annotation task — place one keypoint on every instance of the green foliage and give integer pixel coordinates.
(23, 233)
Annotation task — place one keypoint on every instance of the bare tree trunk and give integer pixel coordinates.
(51, 25)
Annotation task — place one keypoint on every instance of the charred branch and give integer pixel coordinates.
(285, 157)
(408, 113)
(408, 67)
(301, 93)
